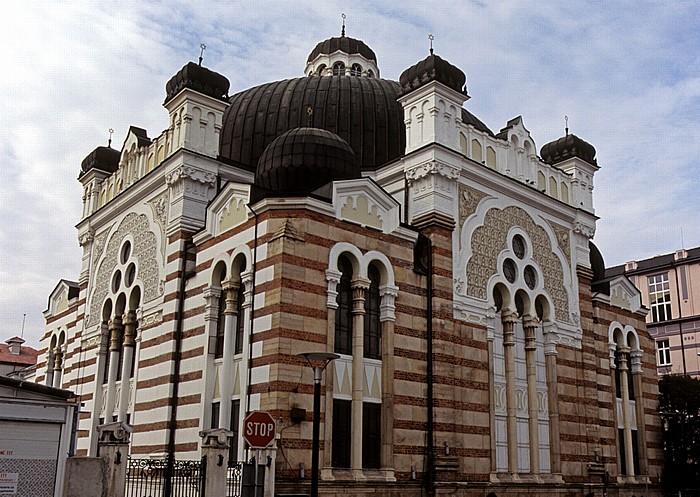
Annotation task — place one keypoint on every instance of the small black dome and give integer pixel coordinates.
(566, 147)
(304, 159)
(432, 68)
(597, 262)
(103, 158)
(344, 44)
(200, 79)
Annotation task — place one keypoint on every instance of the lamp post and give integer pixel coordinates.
(325, 358)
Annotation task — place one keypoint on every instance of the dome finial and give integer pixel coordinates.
(201, 53)
(431, 38)
(109, 142)
(342, 32)
(566, 120)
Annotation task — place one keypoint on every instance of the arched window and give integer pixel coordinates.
(370, 74)
(220, 326)
(321, 69)
(372, 335)
(343, 315)
(240, 322)
(338, 69)
(356, 70)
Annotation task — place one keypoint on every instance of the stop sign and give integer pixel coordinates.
(259, 429)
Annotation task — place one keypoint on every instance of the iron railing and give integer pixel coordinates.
(154, 478)
(234, 479)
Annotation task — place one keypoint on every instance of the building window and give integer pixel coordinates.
(341, 433)
(220, 327)
(659, 297)
(343, 314)
(233, 443)
(372, 335)
(338, 69)
(356, 70)
(239, 321)
(663, 353)
(371, 435)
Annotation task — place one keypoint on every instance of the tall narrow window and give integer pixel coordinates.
(338, 69)
(343, 315)
(659, 297)
(372, 331)
(233, 443)
(341, 433)
(220, 326)
(239, 322)
(105, 377)
(663, 352)
(371, 435)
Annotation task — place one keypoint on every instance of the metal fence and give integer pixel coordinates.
(234, 479)
(154, 478)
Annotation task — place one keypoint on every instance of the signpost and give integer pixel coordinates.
(259, 429)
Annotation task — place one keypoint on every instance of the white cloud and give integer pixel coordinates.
(627, 74)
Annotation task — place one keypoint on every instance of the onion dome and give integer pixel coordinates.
(350, 46)
(103, 158)
(433, 68)
(567, 147)
(362, 111)
(304, 159)
(200, 79)
(597, 262)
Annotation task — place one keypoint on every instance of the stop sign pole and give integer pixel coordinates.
(259, 429)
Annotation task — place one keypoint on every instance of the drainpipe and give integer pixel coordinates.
(167, 490)
(424, 248)
(680, 324)
(252, 308)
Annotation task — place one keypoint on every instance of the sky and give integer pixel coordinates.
(626, 73)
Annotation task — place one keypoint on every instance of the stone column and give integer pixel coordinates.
(57, 367)
(626, 421)
(114, 450)
(115, 328)
(215, 450)
(359, 288)
(387, 317)
(333, 278)
(490, 335)
(509, 319)
(230, 323)
(128, 358)
(636, 366)
(530, 328)
(550, 361)
(49, 368)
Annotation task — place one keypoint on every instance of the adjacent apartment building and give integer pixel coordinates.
(670, 288)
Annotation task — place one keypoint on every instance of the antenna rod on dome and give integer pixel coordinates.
(24, 318)
(342, 32)
(431, 38)
(566, 120)
(201, 54)
(109, 142)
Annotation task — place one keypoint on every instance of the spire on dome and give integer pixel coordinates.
(342, 32)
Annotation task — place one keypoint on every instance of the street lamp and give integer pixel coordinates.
(325, 358)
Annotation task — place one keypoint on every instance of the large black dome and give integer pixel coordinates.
(304, 159)
(362, 111)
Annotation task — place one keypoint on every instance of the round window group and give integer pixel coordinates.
(510, 267)
(124, 276)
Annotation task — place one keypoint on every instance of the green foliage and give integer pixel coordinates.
(680, 413)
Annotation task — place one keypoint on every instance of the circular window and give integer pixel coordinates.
(519, 246)
(126, 252)
(530, 277)
(130, 275)
(116, 280)
(509, 270)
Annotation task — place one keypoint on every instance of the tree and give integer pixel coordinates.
(679, 401)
